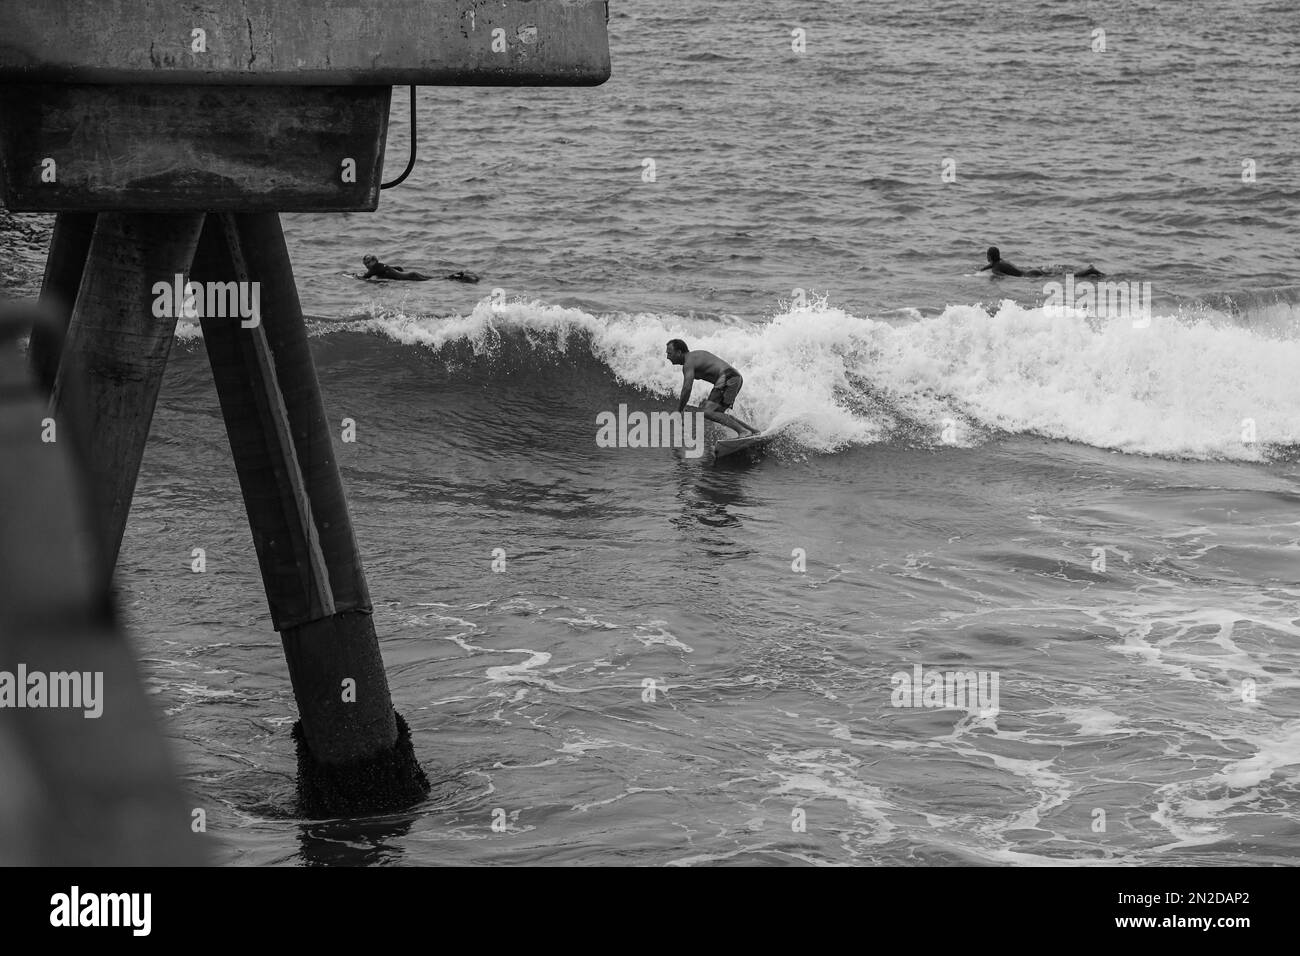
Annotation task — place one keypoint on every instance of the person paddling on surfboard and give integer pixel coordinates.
(1001, 267)
(378, 270)
(726, 383)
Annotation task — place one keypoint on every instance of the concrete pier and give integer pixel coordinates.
(168, 137)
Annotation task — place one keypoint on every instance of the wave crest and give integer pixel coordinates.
(1180, 387)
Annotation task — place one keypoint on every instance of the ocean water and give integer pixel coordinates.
(683, 663)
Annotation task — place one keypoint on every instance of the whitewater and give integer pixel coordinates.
(1187, 385)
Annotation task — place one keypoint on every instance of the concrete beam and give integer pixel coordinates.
(66, 148)
(306, 42)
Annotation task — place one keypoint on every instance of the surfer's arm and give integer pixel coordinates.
(688, 383)
(987, 265)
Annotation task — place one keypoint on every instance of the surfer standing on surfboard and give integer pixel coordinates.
(725, 379)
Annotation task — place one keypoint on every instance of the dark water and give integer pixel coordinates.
(956, 463)
(822, 171)
(1119, 690)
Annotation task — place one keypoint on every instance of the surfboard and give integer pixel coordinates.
(726, 447)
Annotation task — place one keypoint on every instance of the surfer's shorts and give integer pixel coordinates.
(725, 392)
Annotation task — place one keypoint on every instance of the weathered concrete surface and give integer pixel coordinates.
(69, 248)
(173, 148)
(280, 436)
(306, 42)
(114, 356)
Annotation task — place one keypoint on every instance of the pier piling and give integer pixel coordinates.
(117, 351)
(351, 753)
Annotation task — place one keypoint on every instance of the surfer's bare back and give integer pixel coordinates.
(726, 383)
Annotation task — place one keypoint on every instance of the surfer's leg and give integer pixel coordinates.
(714, 413)
(416, 276)
(1090, 271)
(728, 399)
(735, 424)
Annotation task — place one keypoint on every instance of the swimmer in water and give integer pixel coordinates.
(378, 270)
(1001, 267)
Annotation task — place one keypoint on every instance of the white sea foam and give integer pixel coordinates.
(1181, 387)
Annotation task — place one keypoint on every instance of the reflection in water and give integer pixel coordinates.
(354, 841)
(712, 499)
